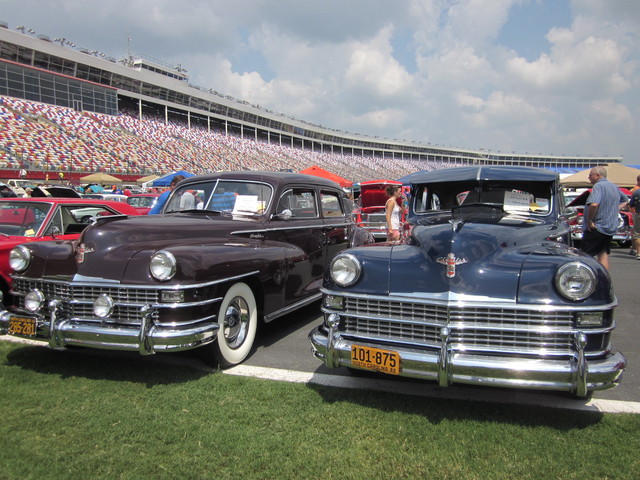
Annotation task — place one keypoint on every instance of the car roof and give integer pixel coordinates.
(82, 201)
(484, 172)
(380, 182)
(275, 178)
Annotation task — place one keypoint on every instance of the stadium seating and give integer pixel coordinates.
(51, 138)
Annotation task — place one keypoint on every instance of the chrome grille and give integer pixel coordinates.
(484, 328)
(125, 315)
(86, 293)
(78, 300)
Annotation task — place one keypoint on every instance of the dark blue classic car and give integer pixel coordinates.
(485, 290)
(229, 250)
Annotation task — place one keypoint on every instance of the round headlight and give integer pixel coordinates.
(19, 258)
(575, 281)
(103, 306)
(345, 270)
(163, 265)
(34, 300)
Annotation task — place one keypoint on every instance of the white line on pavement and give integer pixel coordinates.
(427, 389)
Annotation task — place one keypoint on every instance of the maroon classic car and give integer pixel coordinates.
(229, 249)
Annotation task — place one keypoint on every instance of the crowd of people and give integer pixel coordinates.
(47, 137)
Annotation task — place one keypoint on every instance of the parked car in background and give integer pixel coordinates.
(143, 202)
(7, 192)
(19, 185)
(625, 220)
(255, 250)
(24, 220)
(486, 290)
(570, 195)
(112, 197)
(370, 211)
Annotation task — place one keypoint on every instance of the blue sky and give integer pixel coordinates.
(528, 76)
(528, 24)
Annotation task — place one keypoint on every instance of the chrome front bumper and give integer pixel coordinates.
(445, 366)
(146, 339)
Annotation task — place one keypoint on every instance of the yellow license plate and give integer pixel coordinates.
(384, 361)
(22, 326)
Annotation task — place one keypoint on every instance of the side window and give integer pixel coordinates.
(331, 206)
(56, 226)
(300, 202)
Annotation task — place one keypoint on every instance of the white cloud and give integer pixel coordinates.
(373, 68)
(337, 63)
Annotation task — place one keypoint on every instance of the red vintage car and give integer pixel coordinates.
(370, 212)
(24, 220)
(625, 220)
(143, 202)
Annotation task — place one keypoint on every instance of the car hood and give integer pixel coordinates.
(115, 249)
(478, 261)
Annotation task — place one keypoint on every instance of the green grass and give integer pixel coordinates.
(72, 414)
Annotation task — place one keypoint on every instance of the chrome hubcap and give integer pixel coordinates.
(236, 322)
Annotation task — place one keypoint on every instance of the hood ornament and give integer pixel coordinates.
(451, 261)
(82, 251)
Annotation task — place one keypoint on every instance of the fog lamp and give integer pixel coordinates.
(34, 300)
(103, 306)
(333, 320)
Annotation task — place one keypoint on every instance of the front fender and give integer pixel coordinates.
(375, 261)
(537, 283)
(207, 263)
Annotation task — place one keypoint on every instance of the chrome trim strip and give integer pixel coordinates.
(497, 303)
(284, 229)
(97, 282)
(155, 305)
(115, 322)
(290, 308)
(462, 324)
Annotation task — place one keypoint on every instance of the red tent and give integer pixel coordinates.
(321, 172)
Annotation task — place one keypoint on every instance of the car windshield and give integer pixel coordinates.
(525, 199)
(236, 197)
(22, 219)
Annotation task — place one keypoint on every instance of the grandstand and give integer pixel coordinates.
(78, 111)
